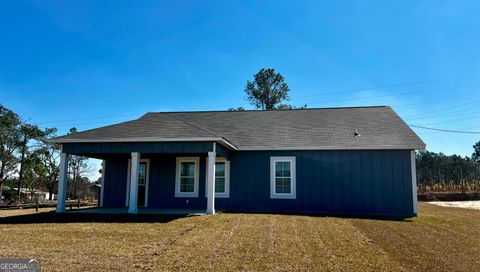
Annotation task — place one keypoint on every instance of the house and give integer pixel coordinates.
(34, 194)
(352, 160)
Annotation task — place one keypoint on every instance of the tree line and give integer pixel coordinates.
(435, 168)
(28, 160)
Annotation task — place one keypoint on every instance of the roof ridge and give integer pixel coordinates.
(190, 124)
(275, 110)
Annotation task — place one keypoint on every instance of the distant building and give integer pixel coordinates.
(32, 195)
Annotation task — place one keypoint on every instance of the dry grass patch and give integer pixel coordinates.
(439, 239)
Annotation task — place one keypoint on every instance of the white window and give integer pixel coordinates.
(222, 178)
(186, 178)
(282, 177)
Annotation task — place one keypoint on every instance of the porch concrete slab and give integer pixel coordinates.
(140, 211)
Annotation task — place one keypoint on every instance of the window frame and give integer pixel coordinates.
(293, 174)
(196, 162)
(225, 194)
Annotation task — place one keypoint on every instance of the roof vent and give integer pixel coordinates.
(356, 133)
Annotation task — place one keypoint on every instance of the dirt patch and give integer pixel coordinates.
(448, 196)
(459, 204)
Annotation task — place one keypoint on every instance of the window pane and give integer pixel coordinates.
(220, 169)
(142, 173)
(219, 185)
(282, 169)
(187, 169)
(282, 185)
(187, 185)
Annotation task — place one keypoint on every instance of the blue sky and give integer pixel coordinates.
(93, 63)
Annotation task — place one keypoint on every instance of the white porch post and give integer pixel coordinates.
(62, 183)
(132, 206)
(211, 183)
(102, 188)
(414, 181)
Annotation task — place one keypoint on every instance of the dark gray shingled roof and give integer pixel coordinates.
(321, 128)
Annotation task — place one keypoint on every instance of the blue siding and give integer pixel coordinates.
(115, 184)
(142, 147)
(222, 151)
(344, 182)
(162, 185)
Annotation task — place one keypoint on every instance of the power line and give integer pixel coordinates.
(409, 105)
(446, 130)
(436, 132)
(451, 121)
(392, 94)
(387, 86)
(446, 110)
(368, 89)
(464, 112)
(83, 119)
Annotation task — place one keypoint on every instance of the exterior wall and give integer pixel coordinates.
(102, 150)
(343, 182)
(115, 183)
(333, 182)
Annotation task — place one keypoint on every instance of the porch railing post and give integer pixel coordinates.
(211, 183)
(132, 207)
(62, 183)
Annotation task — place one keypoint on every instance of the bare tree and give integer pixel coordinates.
(78, 167)
(9, 144)
(28, 132)
(49, 154)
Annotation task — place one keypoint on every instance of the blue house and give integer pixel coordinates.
(353, 161)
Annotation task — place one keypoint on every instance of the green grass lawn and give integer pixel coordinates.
(439, 239)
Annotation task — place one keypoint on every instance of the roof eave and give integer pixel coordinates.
(219, 140)
(260, 148)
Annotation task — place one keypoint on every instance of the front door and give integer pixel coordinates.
(142, 184)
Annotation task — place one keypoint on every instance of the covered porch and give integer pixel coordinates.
(175, 176)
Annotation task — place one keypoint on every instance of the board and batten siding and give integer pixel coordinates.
(370, 182)
(115, 182)
(103, 149)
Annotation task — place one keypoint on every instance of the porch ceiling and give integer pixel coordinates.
(102, 150)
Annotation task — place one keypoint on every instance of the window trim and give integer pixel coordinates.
(195, 160)
(226, 194)
(293, 183)
(147, 182)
